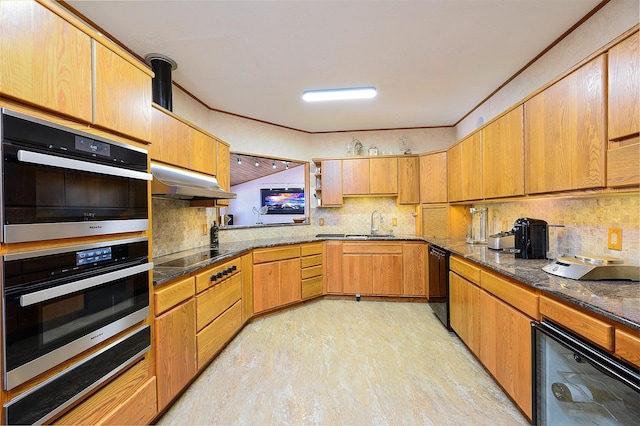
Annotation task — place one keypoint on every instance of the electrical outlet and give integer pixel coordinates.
(394, 221)
(614, 242)
(321, 221)
(205, 230)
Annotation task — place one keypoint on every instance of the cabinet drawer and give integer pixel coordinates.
(217, 299)
(371, 248)
(465, 269)
(309, 261)
(313, 271)
(520, 298)
(203, 279)
(310, 249)
(311, 287)
(214, 336)
(628, 346)
(172, 294)
(277, 253)
(599, 332)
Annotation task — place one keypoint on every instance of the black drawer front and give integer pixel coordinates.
(53, 396)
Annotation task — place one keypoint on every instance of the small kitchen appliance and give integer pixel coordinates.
(588, 267)
(501, 241)
(531, 238)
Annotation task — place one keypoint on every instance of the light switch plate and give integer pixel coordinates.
(614, 241)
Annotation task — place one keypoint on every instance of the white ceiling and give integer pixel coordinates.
(432, 61)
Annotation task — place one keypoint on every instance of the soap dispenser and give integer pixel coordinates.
(213, 234)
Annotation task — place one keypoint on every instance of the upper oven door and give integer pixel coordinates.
(60, 184)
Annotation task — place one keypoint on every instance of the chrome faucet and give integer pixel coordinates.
(374, 231)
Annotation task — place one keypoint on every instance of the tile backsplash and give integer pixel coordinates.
(585, 223)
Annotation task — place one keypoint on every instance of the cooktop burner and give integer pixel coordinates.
(192, 259)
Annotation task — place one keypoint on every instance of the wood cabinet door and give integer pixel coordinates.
(624, 86)
(290, 282)
(454, 172)
(409, 180)
(333, 267)
(357, 274)
(506, 348)
(331, 191)
(122, 96)
(46, 61)
(464, 310)
(266, 286)
(202, 153)
(355, 176)
(223, 170)
(176, 364)
(414, 269)
(503, 156)
(433, 178)
(386, 274)
(564, 133)
(471, 167)
(383, 175)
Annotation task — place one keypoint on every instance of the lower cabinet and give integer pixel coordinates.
(276, 277)
(333, 267)
(312, 269)
(372, 268)
(414, 269)
(464, 310)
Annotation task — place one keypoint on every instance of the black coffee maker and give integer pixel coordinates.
(531, 238)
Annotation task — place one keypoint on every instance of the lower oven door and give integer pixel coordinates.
(577, 383)
(45, 325)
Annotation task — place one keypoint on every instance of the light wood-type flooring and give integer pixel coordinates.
(342, 362)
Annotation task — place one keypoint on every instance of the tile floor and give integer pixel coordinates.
(339, 362)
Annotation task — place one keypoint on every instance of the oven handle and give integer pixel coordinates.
(62, 290)
(68, 163)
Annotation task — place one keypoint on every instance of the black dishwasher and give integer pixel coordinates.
(438, 294)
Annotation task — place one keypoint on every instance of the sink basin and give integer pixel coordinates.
(368, 236)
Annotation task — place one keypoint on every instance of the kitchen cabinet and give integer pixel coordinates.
(464, 169)
(46, 60)
(223, 169)
(433, 177)
(311, 262)
(174, 338)
(409, 180)
(122, 96)
(464, 302)
(564, 132)
(247, 288)
(623, 155)
(623, 89)
(372, 268)
(503, 156)
(329, 182)
(355, 176)
(414, 269)
(276, 277)
(203, 152)
(169, 138)
(333, 268)
(383, 176)
(444, 221)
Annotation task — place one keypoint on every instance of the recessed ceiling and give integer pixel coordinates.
(432, 61)
(246, 170)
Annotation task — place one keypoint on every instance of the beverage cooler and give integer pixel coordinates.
(575, 382)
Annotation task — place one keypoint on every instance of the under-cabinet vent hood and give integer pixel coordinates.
(171, 182)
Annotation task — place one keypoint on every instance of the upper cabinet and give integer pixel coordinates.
(502, 154)
(433, 178)
(383, 176)
(409, 180)
(564, 132)
(46, 61)
(624, 86)
(355, 176)
(624, 114)
(329, 182)
(223, 172)
(464, 169)
(122, 97)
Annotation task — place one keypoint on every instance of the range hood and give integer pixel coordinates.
(172, 182)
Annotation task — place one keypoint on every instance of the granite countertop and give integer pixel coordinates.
(617, 300)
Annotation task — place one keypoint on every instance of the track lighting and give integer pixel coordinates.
(286, 165)
(273, 164)
(238, 160)
(256, 162)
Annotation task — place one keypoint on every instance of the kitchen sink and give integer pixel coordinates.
(368, 236)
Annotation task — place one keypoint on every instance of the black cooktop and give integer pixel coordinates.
(193, 259)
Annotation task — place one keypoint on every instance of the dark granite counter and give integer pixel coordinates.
(617, 300)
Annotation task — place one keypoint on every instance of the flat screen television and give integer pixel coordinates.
(283, 200)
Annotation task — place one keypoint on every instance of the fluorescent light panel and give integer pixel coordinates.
(339, 94)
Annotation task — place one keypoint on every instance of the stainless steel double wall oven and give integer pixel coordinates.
(58, 303)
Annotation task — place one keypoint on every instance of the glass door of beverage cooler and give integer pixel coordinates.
(577, 383)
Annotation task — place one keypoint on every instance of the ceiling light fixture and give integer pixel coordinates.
(255, 163)
(286, 165)
(339, 94)
(273, 164)
(238, 160)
